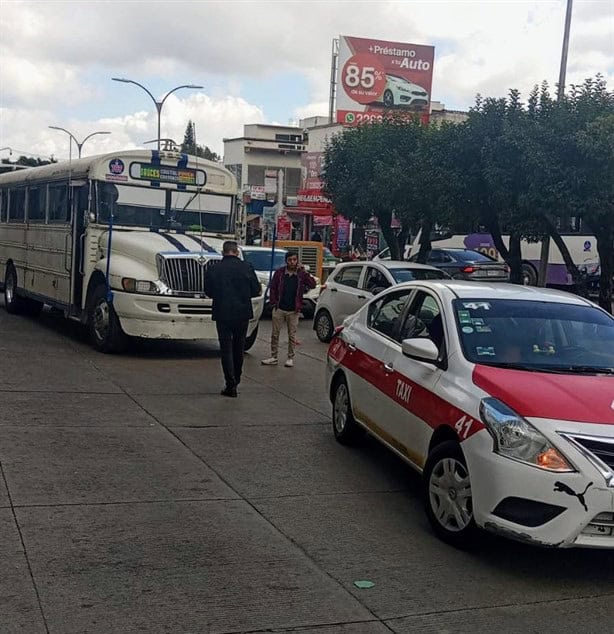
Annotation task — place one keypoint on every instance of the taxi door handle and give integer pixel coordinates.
(388, 367)
(333, 290)
(351, 347)
(362, 297)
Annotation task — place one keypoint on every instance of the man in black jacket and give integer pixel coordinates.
(231, 283)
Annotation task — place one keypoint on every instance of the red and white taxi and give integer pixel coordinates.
(501, 395)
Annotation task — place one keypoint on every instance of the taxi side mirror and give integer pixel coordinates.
(421, 349)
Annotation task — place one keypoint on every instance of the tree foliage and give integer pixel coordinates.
(29, 161)
(189, 145)
(521, 169)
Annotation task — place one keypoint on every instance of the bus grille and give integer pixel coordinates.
(184, 275)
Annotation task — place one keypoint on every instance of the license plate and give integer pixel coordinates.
(492, 273)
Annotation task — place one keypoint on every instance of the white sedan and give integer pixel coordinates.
(399, 92)
(502, 396)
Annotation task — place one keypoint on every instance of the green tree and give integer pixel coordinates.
(496, 177)
(360, 177)
(189, 145)
(30, 161)
(398, 168)
(596, 195)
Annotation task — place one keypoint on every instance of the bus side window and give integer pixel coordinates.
(4, 204)
(36, 204)
(58, 203)
(17, 204)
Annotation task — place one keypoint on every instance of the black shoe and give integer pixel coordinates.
(229, 391)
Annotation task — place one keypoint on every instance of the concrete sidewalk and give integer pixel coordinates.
(133, 498)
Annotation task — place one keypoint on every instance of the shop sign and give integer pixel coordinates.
(269, 214)
(372, 244)
(323, 221)
(284, 227)
(257, 192)
(270, 181)
(312, 198)
(343, 233)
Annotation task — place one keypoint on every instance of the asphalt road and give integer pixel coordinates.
(134, 498)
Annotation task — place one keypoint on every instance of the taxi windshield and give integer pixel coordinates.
(536, 335)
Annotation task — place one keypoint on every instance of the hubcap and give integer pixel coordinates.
(323, 327)
(341, 408)
(450, 494)
(101, 319)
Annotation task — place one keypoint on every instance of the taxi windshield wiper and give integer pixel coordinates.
(585, 369)
(513, 366)
(552, 369)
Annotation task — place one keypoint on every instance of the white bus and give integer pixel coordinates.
(116, 242)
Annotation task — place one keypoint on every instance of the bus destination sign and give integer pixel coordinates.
(167, 174)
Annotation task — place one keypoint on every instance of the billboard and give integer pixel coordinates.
(375, 76)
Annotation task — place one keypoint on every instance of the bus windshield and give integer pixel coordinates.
(150, 207)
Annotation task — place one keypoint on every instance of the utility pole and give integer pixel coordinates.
(545, 250)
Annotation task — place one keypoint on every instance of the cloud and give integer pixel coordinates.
(214, 119)
(54, 54)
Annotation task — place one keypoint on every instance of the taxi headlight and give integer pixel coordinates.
(516, 438)
(130, 285)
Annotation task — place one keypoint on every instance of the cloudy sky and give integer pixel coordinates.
(258, 61)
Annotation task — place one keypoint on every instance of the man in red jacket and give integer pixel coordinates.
(288, 286)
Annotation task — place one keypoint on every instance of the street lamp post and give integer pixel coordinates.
(73, 138)
(159, 104)
(545, 249)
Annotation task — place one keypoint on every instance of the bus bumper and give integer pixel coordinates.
(165, 317)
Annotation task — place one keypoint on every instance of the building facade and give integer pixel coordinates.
(256, 159)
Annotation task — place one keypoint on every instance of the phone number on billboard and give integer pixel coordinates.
(349, 117)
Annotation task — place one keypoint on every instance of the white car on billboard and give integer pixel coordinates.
(402, 93)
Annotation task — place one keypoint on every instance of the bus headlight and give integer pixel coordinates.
(516, 438)
(130, 285)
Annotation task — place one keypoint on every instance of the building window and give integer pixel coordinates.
(289, 138)
(292, 181)
(255, 174)
(237, 171)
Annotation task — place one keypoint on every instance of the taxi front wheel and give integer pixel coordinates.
(447, 495)
(346, 429)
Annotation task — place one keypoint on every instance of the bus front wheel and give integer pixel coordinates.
(12, 302)
(105, 330)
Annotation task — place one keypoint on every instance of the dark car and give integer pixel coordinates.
(466, 264)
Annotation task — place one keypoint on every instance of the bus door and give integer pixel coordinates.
(74, 255)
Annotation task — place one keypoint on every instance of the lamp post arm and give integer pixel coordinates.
(91, 135)
(136, 83)
(170, 92)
